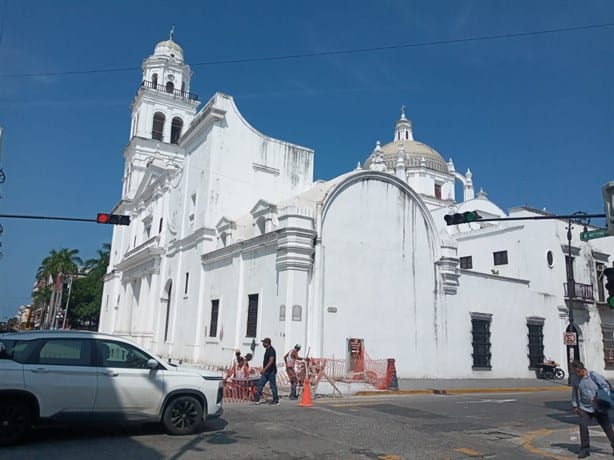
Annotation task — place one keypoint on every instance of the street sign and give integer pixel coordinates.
(570, 338)
(592, 234)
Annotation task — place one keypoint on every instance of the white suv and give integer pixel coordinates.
(76, 375)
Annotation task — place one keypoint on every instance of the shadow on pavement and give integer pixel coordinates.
(572, 448)
(564, 414)
(67, 432)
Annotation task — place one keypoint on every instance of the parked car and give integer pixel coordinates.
(76, 375)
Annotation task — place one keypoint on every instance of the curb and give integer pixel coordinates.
(452, 391)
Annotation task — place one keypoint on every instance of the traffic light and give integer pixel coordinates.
(609, 285)
(608, 203)
(114, 219)
(462, 218)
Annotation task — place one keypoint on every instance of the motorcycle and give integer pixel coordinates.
(550, 371)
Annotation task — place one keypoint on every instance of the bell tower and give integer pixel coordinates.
(164, 107)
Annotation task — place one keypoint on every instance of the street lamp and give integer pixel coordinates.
(573, 351)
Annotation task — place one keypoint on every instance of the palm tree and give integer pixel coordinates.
(56, 265)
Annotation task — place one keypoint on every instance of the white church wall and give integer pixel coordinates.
(511, 303)
(378, 275)
(243, 160)
(232, 278)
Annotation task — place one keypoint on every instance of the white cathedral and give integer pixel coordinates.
(232, 240)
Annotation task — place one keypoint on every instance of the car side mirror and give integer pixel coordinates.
(152, 363)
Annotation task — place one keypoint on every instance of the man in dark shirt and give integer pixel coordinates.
(269, 373)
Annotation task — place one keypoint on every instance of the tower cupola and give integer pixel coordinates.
(164, 106)
(403, 130)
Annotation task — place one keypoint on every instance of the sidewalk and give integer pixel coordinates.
(444, 386)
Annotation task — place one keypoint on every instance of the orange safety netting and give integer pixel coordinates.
(380, 373)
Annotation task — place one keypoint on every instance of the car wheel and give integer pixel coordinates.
(182, 415)
(15, 421)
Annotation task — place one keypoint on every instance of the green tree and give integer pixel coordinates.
(86, 297)
(58, 263)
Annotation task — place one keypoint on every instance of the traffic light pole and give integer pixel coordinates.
(74, 219)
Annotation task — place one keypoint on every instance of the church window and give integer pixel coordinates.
(438, 191)
(170, 87)
(282, 312)
(607, 332)
(158, 126)
(297, 312)
(550, 259)
(176, 127)
(500, 257)
(466, 262)
(480, 331)
(406, 134)
(154, 80)
(261, 225)
(182, 88)
(215, 310)
(187, 281)
(252, 315)
(536, 342)
(168, 309)
(160, 226)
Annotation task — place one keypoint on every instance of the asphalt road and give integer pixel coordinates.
(499, 426)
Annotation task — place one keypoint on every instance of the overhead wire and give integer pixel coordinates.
(327, 53)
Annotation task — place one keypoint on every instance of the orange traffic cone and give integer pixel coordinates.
(306, 397)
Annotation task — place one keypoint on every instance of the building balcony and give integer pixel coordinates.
(583, 292)
(169, 90)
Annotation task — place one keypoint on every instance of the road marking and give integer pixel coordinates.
(469, 451)
(527, 443)
(496, 401)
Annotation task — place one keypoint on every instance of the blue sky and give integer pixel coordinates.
(532, 116)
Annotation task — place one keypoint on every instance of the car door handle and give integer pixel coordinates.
(40, 370)
(112, 373)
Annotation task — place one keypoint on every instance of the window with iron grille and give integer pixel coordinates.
(607, 332)
(536, 344)
(500, 257)
(466, 262)
(252, 315)
(215, 310)
(481, 343)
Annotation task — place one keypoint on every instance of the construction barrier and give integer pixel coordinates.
(381, 373)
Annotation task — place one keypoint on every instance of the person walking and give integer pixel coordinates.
(585, 385)
(290, 359)
(269, 373)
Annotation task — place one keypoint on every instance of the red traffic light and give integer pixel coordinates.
(102, 218)
(114, 219)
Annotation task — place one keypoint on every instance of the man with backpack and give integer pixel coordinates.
(585, 386)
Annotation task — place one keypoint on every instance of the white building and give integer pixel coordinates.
(232, 240)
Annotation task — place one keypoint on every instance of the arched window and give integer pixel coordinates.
(154, 80)
(158, 126)
(282, 312)
(170, 88)
(297, 312)
(176, 127)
